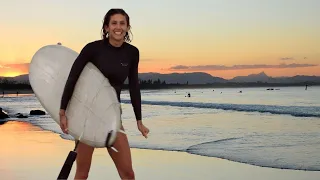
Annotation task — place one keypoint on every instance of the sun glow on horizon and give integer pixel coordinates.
(11, 74)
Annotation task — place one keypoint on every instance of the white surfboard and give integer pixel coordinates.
(93, 111)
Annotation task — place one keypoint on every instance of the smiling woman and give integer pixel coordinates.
(117, 60)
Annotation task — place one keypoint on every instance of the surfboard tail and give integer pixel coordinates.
(109, 141)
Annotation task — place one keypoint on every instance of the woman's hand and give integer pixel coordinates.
(143, 129)
(63, 122)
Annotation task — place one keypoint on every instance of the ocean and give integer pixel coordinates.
(269, 128)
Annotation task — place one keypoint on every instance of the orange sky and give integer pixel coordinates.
(223, 39)
(11, 70)
(18, 69)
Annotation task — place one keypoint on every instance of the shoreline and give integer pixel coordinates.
(30, 91)
(14, 91)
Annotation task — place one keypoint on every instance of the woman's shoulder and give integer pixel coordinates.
(92, 46)
(95, 43)
(132, 47)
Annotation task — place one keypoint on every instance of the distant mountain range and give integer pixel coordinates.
(182, 78)
(263, 77)
(19, 79)
(204, 78)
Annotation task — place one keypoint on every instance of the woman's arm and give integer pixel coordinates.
(134, 87)
(135, 94)
(74, 74)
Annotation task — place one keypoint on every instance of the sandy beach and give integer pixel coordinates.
(28, 152)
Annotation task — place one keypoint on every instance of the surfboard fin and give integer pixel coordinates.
(113, 148)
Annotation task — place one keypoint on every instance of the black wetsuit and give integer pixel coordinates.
(115, 63)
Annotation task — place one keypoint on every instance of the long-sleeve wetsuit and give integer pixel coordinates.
(115, 63)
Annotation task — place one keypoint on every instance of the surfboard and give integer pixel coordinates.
(93, 111)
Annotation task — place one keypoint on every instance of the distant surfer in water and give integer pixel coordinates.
(117, 60)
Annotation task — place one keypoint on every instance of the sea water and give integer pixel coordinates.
(270, 128)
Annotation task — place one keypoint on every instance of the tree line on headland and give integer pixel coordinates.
(6, 84)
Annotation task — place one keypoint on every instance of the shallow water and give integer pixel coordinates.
(279, 128)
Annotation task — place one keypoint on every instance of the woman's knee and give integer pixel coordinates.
(127, 173)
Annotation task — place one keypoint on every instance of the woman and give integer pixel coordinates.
(117, 60)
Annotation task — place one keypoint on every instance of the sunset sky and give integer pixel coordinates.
(225, 38)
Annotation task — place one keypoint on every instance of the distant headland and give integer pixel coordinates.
(186, 80)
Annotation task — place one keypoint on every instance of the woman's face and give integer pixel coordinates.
(117, 27)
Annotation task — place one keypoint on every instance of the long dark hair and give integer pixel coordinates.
(106, 21)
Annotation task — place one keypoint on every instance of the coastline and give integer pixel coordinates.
(31, 153)
(14, 91)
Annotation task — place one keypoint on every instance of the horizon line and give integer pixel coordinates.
(196, 72)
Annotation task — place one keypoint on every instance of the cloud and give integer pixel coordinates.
(3, 67)
(237, 67)
(287, 58)
(180, 67)
(13, 66)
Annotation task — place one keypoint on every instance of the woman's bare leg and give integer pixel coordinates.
(84, 158)
(122, 158)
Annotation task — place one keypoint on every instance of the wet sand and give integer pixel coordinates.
(27, 152)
